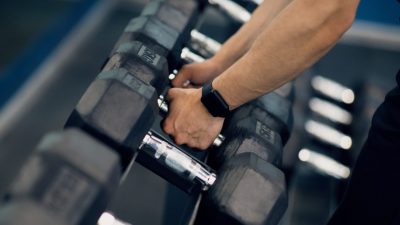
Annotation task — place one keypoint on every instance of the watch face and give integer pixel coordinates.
(214, 102)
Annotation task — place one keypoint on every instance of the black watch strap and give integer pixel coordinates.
(213, 101)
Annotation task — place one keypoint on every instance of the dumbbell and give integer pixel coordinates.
(139, 58)
(163, 28)
(332, 90)
(330, 114)
(245, 182)
(327, 135)
(67, 181)
(107, 218)
(248, 136)
(167, 36)
(252, 4)
(250, 151)
(185, 18)
(323, 163)
(274, 110)
(248, 191)
(184, 22)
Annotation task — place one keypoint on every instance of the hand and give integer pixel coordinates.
(197, 74)
(188, 121)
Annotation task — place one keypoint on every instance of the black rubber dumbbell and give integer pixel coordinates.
(163, 28)
(182, 16)
(68, 180)
(167, 27)
(143, 61)
(248, 191)
(185, 18)
(118, 109)
(272, 109)
(248, 134)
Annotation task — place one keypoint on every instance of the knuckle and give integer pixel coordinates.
(203, 146)
(180, 139)
(167, 126)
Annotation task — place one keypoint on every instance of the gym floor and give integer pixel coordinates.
(141, 198)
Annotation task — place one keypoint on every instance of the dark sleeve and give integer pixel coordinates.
(373, 195)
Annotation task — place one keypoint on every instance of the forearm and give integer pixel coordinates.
(240, 42)
(297, 37)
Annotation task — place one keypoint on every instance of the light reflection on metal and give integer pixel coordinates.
(330, 111)
(333, 89)
(108, 218)
(328, 134)
(234, 10)
(324, 164)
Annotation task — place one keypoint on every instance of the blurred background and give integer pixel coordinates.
(50, 50)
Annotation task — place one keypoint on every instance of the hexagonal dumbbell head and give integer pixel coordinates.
(118, 109)
(248, 191)
(272, 110)
(248, 135)
(68, 180)
(143, 62)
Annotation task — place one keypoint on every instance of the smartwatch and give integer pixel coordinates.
(213, 101)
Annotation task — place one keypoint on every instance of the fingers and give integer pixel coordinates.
(187, 121)
(184, 77)
(168, 126)
(196, 140)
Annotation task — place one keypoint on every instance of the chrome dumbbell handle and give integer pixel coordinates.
(233, 9)
(190, 57)
(257, 2)
(178, 161)
(108, 218)
(204, 44)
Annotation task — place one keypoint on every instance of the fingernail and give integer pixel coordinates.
(186, 83)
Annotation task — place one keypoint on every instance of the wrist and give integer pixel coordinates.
(226, 93)
(213, 101)
(220, 63)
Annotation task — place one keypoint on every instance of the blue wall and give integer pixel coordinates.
(383, 11)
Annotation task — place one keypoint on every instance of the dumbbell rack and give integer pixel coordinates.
(201, 156)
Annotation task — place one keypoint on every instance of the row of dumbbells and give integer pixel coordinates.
(280, 109)
(73, 174)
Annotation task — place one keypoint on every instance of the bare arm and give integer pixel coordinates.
(295, 39)
(234, 48)
(301, 34)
